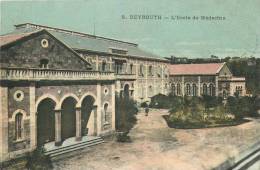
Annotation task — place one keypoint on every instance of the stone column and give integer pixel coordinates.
(33, 117)
(113, 108)
(78, 124)
(99, 113)
(199, 86)
(57, 127)
(97, 63)
(182, 86)
(3, 123)
(216, 86)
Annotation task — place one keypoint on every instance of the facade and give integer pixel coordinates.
(58, 84)
(214, 79)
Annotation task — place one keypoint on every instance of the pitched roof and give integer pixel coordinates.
(6, 39)
(195, 69)
(82, 41)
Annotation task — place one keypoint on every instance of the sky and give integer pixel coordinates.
(236, 33)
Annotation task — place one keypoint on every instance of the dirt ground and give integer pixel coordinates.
(154, 146)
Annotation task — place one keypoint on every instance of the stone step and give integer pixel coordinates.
(72, 146)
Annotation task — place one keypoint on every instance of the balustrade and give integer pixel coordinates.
(50, 74)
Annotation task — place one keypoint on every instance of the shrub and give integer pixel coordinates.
(38, 161)
(126, 111)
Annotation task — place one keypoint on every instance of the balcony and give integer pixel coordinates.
(52, 74)
(125, 76)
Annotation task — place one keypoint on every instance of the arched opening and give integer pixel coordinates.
(105, 112)
(18, 126)
(103, 66)
(204, 89)
(188, 93)
(126, 91)
(178, 89)
(194, 90)
(87, 107)
(131, 68)
(45, 121)
(150, 70)
(211, 90)
(173, 89)
(68, 118)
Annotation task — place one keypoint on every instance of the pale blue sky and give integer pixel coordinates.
(238, 35)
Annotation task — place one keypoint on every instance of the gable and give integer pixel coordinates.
(30, 51)
(224, 71)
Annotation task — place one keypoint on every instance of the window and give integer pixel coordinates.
(188, 92)
(18, 126)
(239, 90)
(44, 63)
(178, 89)
(211, 90)
(204, 89)
(103, 68)
(194, 90)
(131, 68)
(150, 70)
(141, 70)
(173, 90)
(105, 112)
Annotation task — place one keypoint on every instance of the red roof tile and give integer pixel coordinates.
(195, 69)
(6, 39)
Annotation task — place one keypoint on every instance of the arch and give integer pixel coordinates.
(45, 121)
(79, 104)
(47, 96)
(173, 88)
(16, 112)
(87, 110)
(188, 89)
(19, 126)
(66, 96)
(194, 89)
(126, 91)
(68, 117)
(211, 89)
(106, 108)
(131, 66)
(204, 89)
(178, 89)
(103, 65)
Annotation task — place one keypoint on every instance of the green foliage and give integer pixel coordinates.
(126, 111)
(38, 161)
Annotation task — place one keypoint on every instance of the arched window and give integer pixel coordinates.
(211, 90)
(18, 126)
(194, 90)
(173, 89)
(188, 93)
(105, 112)
(178, 89)
(131, 68)
(150, 70)
(141, 70)
(204, 89)
(103, 66)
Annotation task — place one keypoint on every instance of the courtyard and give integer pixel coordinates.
(155, 146)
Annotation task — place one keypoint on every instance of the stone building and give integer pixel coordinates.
(58, 85)
(214, 79)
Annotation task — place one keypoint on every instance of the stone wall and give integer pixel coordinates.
(30, 53)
